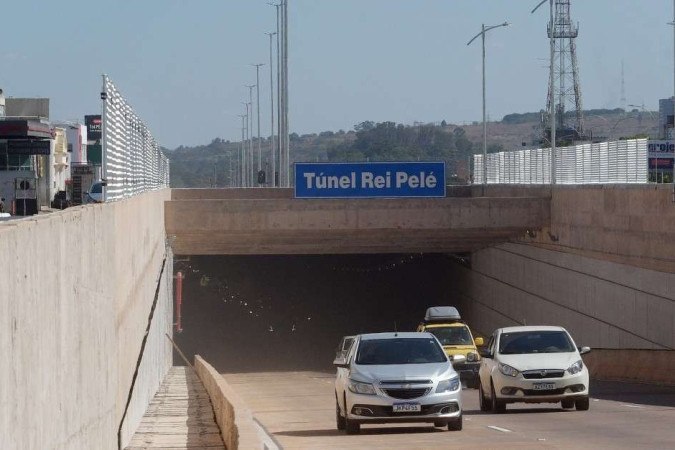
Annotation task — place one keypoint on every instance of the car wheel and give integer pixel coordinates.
(497, 406)
(352, 427)
(567, 404)
(484, 402)
(582, 404)
(455, 424)
(341, 422)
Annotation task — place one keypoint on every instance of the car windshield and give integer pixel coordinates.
(452, 335)
(400, 351)
(96, 188)
(524, 342)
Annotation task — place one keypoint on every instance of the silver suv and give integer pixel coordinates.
(394, 378)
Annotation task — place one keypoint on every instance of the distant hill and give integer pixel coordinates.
(211, 164)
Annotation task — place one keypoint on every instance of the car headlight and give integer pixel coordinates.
(361, 388)
(450, 385)
(576, 367)
(472, 356)
(508, 370)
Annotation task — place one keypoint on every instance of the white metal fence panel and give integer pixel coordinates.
(616, 162)
(132, 159)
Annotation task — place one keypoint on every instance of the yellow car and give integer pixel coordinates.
(455, 336)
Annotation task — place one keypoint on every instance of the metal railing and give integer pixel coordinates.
(616, 162)
(132, 159)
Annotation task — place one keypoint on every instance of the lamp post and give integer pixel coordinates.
(247, 149)
(241, 150)
(257, 97)
(273, 159)
(250, 134)
(482, 35)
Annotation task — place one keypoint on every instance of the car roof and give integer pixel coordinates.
(395, 335)
(530, 328)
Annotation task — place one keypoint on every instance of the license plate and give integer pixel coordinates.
(407, 407)
(543, 386)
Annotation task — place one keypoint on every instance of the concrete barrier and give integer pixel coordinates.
(236, 423)
(644, 366)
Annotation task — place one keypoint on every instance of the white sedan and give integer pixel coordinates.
(533, 364)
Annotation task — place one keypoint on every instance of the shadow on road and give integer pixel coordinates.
(382, 429)
(640, 394)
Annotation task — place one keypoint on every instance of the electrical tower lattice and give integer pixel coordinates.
(569, 108)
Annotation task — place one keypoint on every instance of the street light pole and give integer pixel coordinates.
(250, 134)
(241, 152)
(246, 144)
(273, 159)
(257, 95)
(484, 30)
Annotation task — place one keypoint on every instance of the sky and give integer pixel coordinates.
(183, 65)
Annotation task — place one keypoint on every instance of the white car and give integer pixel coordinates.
(95, 193)
(397, 377)
(532, 364)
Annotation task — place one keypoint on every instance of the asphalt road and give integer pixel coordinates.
(298, 411)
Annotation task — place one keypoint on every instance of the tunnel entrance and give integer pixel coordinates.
(288, 313)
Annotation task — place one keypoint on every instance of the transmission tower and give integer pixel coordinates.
(569, 108)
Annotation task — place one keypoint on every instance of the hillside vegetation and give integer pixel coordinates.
(214, 164)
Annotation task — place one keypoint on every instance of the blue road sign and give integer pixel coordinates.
(370, 180)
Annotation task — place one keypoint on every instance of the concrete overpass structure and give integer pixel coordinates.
(86, 297)
(270, 221)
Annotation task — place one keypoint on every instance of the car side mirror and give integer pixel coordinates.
(86, 193)
(584, 350)
(485, 353)
(456, 359)
(341, 362)
(479, 342)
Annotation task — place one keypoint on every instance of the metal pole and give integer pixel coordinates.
(286, 126)
(250, 136)
(241, 152)
(257, 95)
(484, 122)
(552, 89)
(273, 164)
(278, 149)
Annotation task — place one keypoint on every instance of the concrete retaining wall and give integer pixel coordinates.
(76, 293)
(603, 304)
(627, 224)
(233, 417)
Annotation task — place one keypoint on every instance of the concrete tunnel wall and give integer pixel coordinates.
(605, 270)
(76, 293)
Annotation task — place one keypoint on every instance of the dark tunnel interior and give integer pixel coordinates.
(288, 313)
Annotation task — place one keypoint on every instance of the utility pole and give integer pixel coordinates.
(257, 95)
(273, 164)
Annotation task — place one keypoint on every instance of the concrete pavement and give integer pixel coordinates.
(298, 411)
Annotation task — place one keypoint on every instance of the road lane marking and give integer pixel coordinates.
(503, 430)
(633, 406)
